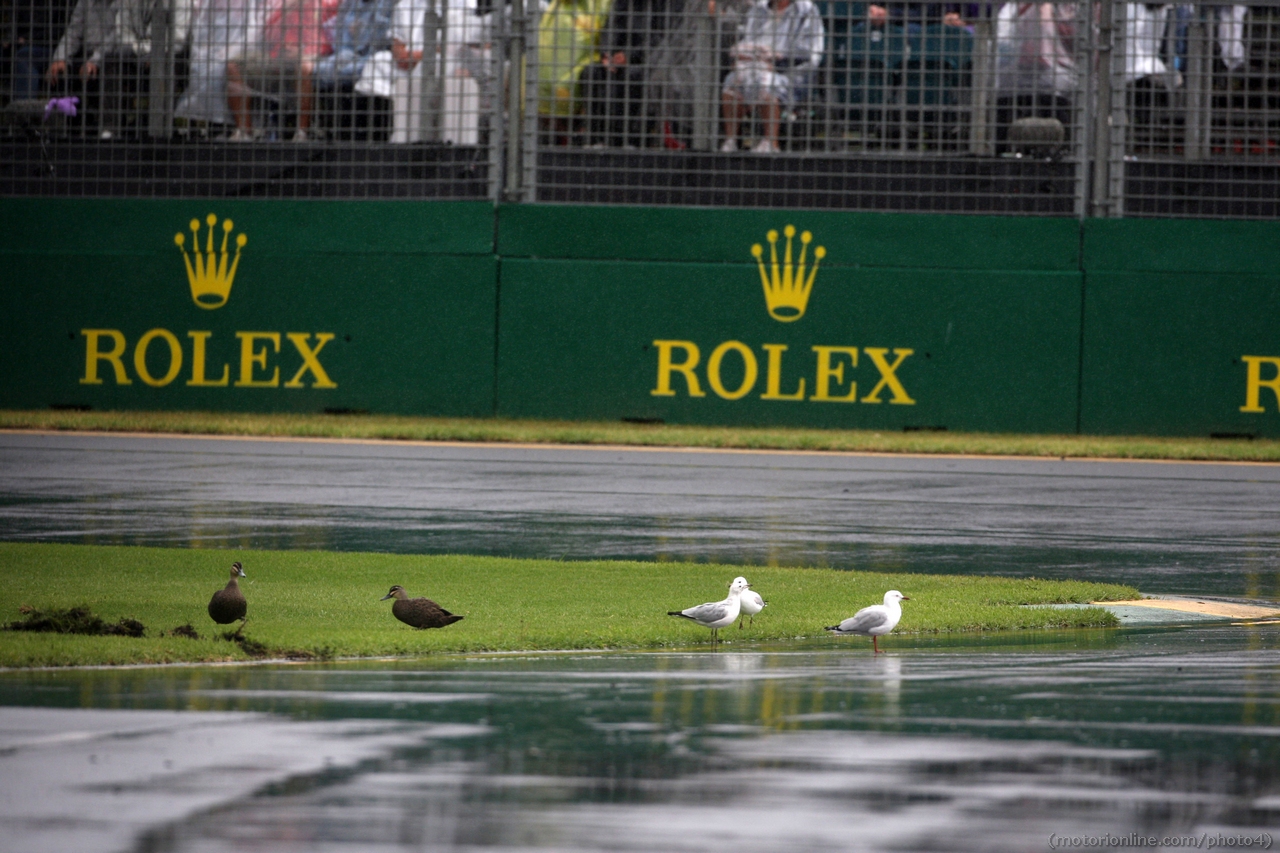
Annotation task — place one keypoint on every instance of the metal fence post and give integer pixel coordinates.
(1101, 202)
(514, 98)
(528, 116)
(430, 96)
(705, 67)
(1198, 83)
(160, 94)
(984, 55)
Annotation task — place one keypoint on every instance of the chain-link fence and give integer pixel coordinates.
(1095, 108)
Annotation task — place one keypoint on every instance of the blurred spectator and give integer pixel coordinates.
(1144, 36)
(468, 71)
(221, 31)
(1036, 71)
(615, 84)
(1231, 35)
(919, 14)
(568, 35)
(360, 28)
(282, 61)
(34, 26)
(401, 73)
(1229, 32)
(126, 66)
(88, 37)
(696, 49)
(1036, 48)
(778, 51)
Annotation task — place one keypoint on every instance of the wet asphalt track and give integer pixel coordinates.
(1164, 527)
(1006, 742)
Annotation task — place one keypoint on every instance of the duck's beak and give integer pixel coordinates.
(385, 597)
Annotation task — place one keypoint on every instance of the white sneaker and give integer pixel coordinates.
(300, 136)
(240, 135)
(106, 136)
(765, 146)
(729, 145)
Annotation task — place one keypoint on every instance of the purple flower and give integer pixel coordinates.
(66, 106)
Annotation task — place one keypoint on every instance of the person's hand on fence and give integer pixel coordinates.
(55, 70)
(88, 71)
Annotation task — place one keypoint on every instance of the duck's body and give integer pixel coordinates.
(752, 603)
(418, 612)
(228, 604)
(874, 621)
(716, 614)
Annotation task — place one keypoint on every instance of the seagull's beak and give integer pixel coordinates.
(906, 598)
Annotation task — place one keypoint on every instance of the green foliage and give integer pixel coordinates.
(321, 605)
(403, 428)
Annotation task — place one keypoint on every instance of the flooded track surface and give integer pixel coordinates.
(1118, 739)
(1012, 743)
(1164, 527)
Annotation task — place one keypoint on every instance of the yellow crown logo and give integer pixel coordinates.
(786, 288)
(208, 274)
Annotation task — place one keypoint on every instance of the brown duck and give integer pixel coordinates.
(228, 604)
(418, 612)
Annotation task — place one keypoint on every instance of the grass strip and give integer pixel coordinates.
(404, 428)
(320, 604)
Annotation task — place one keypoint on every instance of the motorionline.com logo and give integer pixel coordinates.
(1204, 841)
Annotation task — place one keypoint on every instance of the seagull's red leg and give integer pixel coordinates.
(875, 644)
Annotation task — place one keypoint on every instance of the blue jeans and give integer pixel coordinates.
(29, 63)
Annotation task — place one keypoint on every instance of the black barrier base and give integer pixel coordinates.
(956, 184)
(62, 167)
(1204, 190)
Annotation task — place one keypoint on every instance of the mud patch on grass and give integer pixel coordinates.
(250, 647)
(74, 620)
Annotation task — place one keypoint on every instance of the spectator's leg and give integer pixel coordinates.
(617, 108)
(238, 97)
(733, 109)
(633, 86)
(595, 82)
(111, 82)
(305, 92)
(772, 118)
(30, 62)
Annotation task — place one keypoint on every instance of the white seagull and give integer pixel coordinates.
(874, 621)
(716, 614)
(752, 603)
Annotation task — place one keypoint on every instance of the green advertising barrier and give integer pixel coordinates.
(808, 318)
(252, 306)
(1181, 328)
(815, 318)
(703, 343)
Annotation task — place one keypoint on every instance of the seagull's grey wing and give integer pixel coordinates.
(865, 620)
(710, 612)
(755, 596)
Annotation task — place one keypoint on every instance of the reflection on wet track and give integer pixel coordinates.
(1000, 742)
(937, 746)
